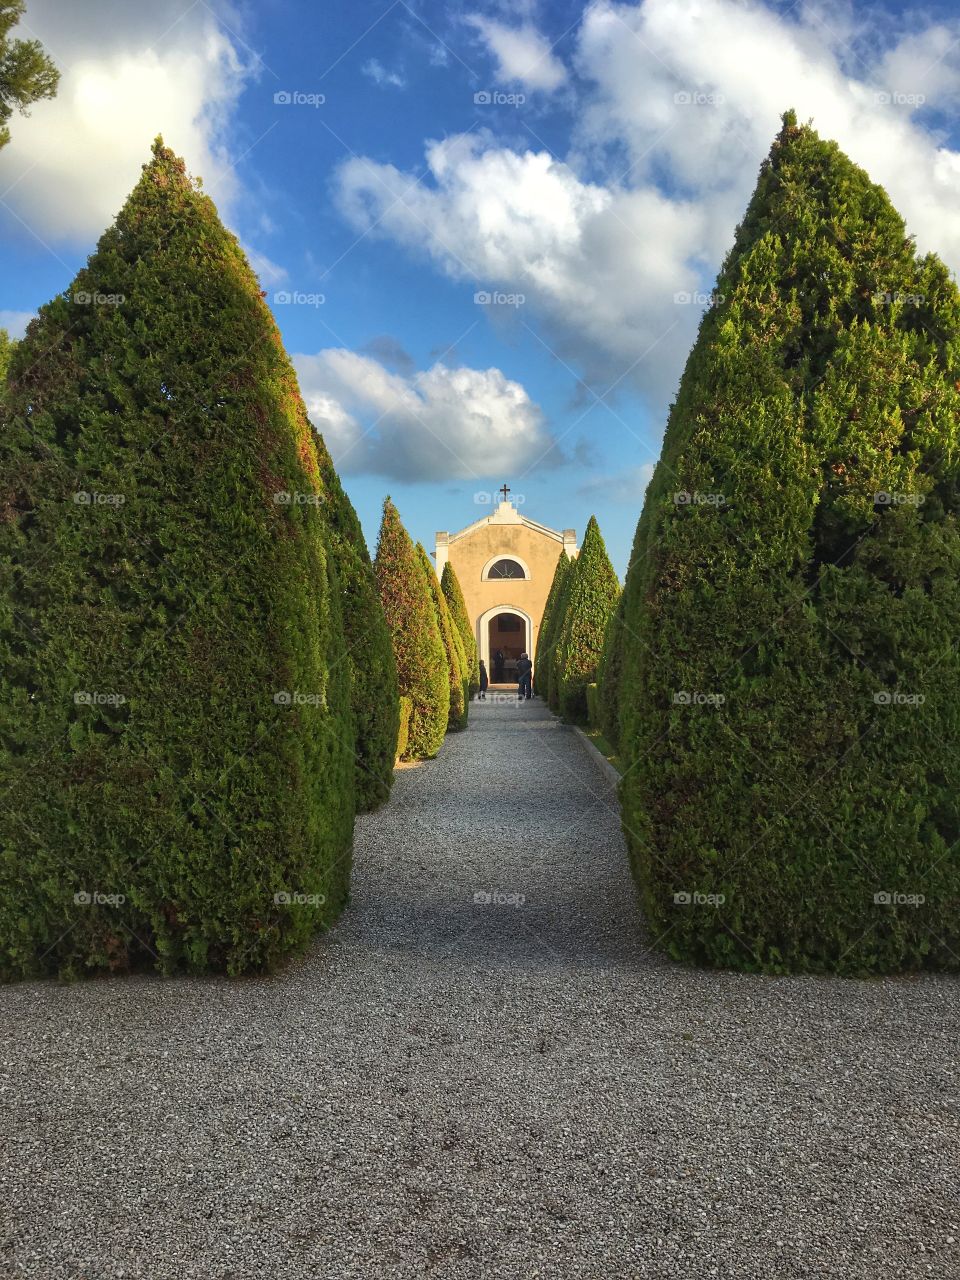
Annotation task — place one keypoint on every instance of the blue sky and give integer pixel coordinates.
(590, 191)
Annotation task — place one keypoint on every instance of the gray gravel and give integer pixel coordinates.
(445, 1088)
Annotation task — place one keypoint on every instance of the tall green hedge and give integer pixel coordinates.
(374, 692)
(609, 674)
(176, 741)
(453, 647)
(791, 684)
(450, 585)
(591, 597)
(551, 620)
(421, 659)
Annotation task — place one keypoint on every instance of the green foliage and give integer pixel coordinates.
(550, 624)
(453, 647)
(771, 570)
(403, 726)
(591, 597)
(450, 586)
(422, 671)
(175, 728)
(26, 73)
(608, 677)
(7, 348)
(373, 672)
(593, 705)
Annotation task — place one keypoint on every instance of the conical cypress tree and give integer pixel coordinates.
(453, 647)
(557, 626)
(421, 659)
(373, 673)
(548, 623)
(177, 743)
(791, 693)
(450, 586)
(7, 348)
(608, 676)
(593, 594)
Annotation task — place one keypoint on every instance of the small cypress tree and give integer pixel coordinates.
(608, 676)
(373, 671)
(418, 649)
(177, 742)
(450, 586)
(591, 600)
(557, 626)
(7, 348)
(791, 681)
(548, 621)
(453, 647)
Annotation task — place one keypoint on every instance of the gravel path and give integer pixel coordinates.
(446, 1088)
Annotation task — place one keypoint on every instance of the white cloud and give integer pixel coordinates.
(269, 272)
(127, 74)
(379, 74)
(15, 322)
(523, 55)
(677, 117)
(628, 485)
(440, 424)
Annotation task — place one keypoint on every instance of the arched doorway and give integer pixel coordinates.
(507, 628)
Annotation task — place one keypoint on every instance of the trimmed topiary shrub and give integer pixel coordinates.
(791, 686)
(453, 595)
(453, 647)
(403, 728)
(608, 677)
(177, 741)
(373, 672)
(591, 597)
(422, 670)
(549, 623)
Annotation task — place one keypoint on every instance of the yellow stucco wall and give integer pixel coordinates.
(504, 534)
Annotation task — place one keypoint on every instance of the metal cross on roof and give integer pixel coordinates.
(505, 490)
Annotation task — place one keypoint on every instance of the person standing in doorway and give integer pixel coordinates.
(484, 681)
(498, 661)
(524, 673)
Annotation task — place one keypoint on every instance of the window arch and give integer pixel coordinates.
(504, 566)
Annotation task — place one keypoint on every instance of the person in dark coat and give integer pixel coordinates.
(498, 661)
(484, 681)
(524, 673)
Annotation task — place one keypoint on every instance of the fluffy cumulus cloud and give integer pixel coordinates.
(522, 54)
(616, 244)
(440, 424)
(128, 72)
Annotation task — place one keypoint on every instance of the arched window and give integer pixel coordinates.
(506, 569)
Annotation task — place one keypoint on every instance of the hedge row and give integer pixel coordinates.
(176, 730)
(790, 682)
